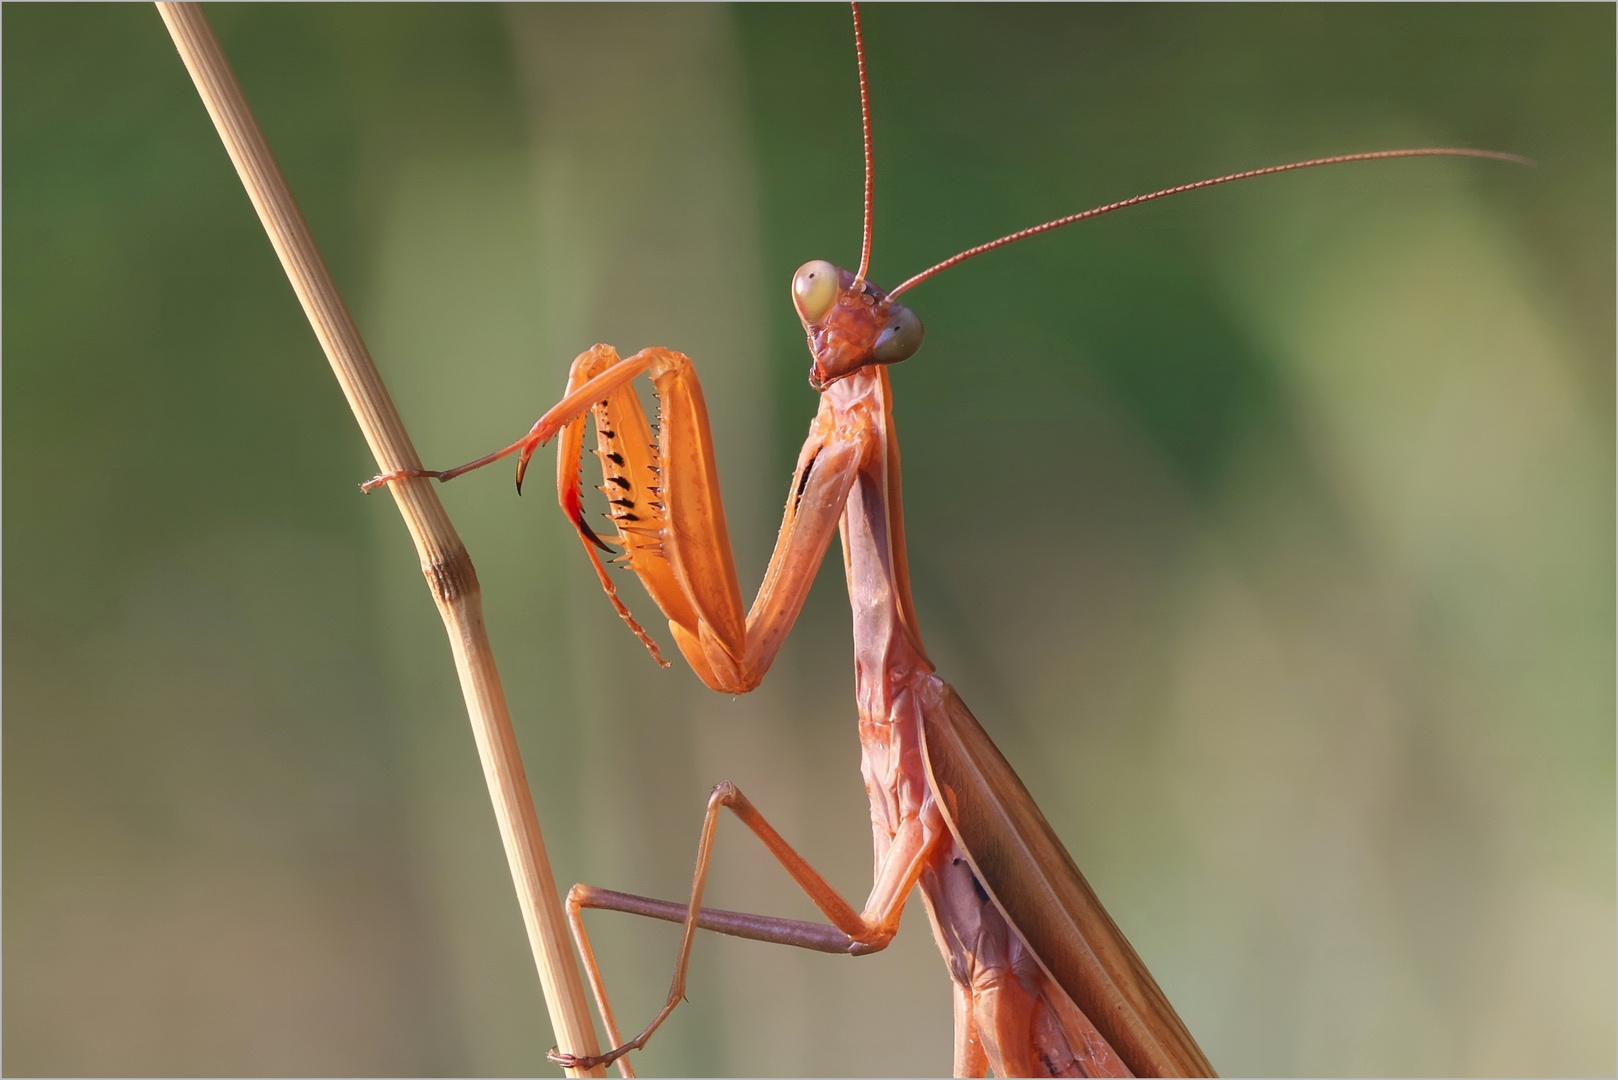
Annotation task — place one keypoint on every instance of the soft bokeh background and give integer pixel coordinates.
(1269, 530)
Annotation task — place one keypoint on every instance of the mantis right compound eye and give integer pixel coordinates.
(814, 289)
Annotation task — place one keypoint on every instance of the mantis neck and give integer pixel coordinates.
(887, 640)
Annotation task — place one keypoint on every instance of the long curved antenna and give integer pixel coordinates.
(870, 173)
(1341, 159)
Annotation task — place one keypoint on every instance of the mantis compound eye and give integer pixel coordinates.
(900, 339)
(814, 289)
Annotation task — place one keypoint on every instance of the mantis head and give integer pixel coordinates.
(851, 323)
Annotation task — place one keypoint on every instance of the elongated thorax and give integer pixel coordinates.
(1044, 982)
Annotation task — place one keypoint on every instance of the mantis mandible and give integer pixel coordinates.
(1044, 983)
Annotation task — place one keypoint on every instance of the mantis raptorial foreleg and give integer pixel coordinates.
(854, 932)
(665, 503)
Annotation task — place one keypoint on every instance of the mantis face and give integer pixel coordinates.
(851, 324)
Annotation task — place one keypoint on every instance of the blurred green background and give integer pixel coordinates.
(1269, 530)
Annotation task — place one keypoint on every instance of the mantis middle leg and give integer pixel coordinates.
(854, 932)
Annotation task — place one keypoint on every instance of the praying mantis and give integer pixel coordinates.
(1044, 983)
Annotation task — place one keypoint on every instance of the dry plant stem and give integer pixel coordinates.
(444, 560)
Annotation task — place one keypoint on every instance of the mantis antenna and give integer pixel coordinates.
(870, 174)
(1035, 230)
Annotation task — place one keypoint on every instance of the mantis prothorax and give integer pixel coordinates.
(1044, 982)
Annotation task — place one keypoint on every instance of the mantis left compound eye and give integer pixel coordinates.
(900, 339)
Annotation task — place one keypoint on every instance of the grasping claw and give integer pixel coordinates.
(398, 474)
(585, 1064)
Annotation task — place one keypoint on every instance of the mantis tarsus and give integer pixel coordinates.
(1044, 982)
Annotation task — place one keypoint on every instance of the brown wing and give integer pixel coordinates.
(1036, 885)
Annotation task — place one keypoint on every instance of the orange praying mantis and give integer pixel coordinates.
(1044, 982)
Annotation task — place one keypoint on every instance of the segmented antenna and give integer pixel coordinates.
(1023, 234)
(870, 174)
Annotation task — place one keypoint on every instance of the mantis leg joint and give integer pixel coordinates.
(725, 793)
